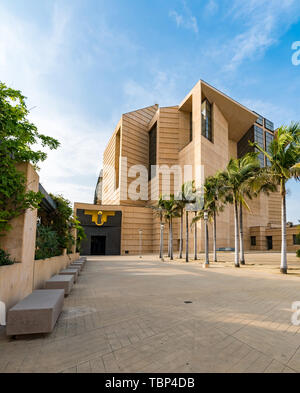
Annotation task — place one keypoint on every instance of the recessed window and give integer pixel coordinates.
(269, 125)
(260, 119)
(253, 240)
(152, 151)
(117, 158)
(206, 119)
(191, 126)
(269, 242)
(296, 239)
(259, 139)
(269, 140)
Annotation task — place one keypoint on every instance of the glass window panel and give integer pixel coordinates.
(206, 120)
(152, 151)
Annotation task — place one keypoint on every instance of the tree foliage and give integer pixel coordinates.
(5, 259)
(17, 137)
(63, 222)
(47, 243)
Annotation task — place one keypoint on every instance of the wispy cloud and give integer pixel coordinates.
(211, 7)
(29, 58)
(264, 23)
(160, 89)
(185, 18)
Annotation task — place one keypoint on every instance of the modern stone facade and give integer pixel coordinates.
(203, 131)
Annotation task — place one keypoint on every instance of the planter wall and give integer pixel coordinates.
(46, 268)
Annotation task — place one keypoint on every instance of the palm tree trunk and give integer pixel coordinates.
(195, 239)
(242, 253)
(283, 266)
(236, 233)
(181, 235)
(215, 236)
(206, 245)
(171, 239)
(169, 248)
(187, 236)
(161, 239)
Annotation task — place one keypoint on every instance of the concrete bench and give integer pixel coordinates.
(72, 267)
(37, 313)
(61, 282)
(81, 261)
(68, 272)
(78, 265)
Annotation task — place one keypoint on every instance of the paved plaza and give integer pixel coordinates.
(127, 314)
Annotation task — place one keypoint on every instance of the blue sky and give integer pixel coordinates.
(84, 63)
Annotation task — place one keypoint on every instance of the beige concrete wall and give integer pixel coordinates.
(110, 195)
(16, 281)
(261, 234)
(135, 147)
(46, 268)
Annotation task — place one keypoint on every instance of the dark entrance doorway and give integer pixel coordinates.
(269, 242)
(98, 244)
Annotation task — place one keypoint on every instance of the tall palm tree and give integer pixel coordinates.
(237, 172)
(214, 199)
(258, 182)
(180, 204)
(188, 196)
(159, 210)
(170, 211)
(284, 163)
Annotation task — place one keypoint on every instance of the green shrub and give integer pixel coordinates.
(47, 243)
(298, 253)
(5, 259)
(17, 138)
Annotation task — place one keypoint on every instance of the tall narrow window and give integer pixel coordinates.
(206, 120)
(191, 126)
(117, 157)
(152, 151)
(259, 139)
(269, 140)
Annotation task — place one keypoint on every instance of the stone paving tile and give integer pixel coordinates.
(127, 315)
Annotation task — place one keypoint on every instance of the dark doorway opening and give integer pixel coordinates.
(98, 245)
(269, 242)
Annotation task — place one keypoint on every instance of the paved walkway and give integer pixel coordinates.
(130, 315)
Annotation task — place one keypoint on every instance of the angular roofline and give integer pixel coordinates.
(140, 109)
(228, 97)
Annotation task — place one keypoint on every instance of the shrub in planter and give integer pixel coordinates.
(298, 253)
(5, 259)
(47, 243)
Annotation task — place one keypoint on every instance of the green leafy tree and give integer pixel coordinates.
(17, 137)
(5, 259)
(159, 211)
(62, 221)
(284, 164)
(237, 172)
(214, 200)
(170, 211)
(47, 243)
(81, 235)
(188, 196)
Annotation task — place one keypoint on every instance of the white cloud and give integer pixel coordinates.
(29, 58)
(161, 89)
(278, 114)
(211, 7)
(264, 23)
(185, 19)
